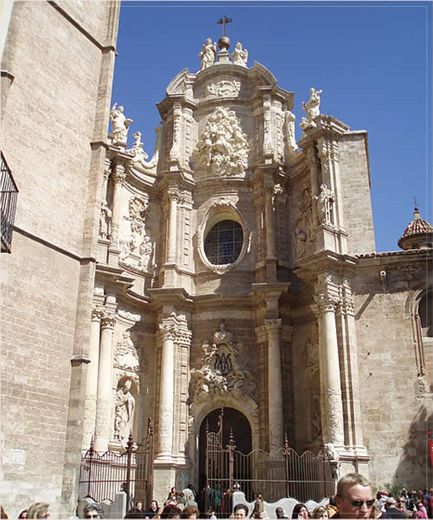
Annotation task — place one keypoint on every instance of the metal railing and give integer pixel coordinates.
(102, 475)
(9, 193)
(285, 473)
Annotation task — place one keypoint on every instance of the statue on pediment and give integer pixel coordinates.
(240, 55)
(207, 54)
(311, 108)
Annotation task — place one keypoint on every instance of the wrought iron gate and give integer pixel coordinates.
(283, 474)
(102, 475)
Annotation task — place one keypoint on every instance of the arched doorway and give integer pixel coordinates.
(216, 429)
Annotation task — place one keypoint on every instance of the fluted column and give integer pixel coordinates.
(104, 391)
(92, 379)
(275, 395)
(118, 178)
(332, 410)
(172, 226)
(166, 393)
(351, 397)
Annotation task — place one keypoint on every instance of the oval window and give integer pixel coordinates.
(223, 243)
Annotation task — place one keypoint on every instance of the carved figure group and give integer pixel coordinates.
(223, 147)
(311, 108)
(120, 124)
(240, 55)
(221, 372)
(207, 54)
(124, 412)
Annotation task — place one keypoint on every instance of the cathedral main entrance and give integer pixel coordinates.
(224, 444)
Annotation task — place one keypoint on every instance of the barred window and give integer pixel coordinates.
(223, 243)
(425, 314)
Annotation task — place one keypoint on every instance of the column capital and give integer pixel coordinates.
(272, 327)
(119, 174)
(325, 302)
(173, 193)
(96, 314)
(107, 320)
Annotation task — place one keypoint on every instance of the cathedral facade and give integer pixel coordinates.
(234, 269)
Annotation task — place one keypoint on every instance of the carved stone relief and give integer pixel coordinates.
(221, 371)
(137, 249)
(304, 225)
(223, 147)
(224, 88)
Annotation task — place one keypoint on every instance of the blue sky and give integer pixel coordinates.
(371, 59)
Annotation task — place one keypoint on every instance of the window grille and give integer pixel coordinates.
(223, 243)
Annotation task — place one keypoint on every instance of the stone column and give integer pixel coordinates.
(275, 397)
(351, 398)
(118, 178)
(166, 393)
(104, 392)
(172, 226)
(92, 379)
(332, 410)
(269, 218)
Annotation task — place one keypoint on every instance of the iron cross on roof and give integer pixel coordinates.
(224, 21)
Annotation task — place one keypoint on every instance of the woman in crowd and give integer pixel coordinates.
(320, 512)
(300, 512)
(38, 510)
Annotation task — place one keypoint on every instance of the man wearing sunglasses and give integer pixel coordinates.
(354, 497)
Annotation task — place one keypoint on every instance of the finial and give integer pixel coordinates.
(416, 209)
(224, 41)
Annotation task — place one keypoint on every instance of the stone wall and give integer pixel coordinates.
(396, 403)
(57, 105)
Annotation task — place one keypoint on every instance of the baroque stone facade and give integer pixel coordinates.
(235, 268)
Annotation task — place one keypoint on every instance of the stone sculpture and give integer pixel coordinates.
(207, 54)
(126, 357)
(124, 412)
(311, 108)
(289, 124)
(223, 147)
(105, 221)
(120, 124)
(224, 88)
(325, 205)
(146, 250)
(221, 372)
(240, 55)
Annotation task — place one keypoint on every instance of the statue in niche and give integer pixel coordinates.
(221, 371)
(325, 205)
(289, 124)
(105, 220)
(120, 124)
(146, 250)
(223, 147)
(311, 108)
(124, 412)
(240, 55)
(207, 54)
(304, 224)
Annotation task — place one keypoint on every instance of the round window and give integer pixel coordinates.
(223, 243)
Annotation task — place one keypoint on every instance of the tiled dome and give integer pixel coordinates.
(418, 234)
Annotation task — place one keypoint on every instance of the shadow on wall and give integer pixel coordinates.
(415, 470)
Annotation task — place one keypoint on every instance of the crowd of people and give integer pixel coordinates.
(354, 499)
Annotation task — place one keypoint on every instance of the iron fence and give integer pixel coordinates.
(9, 193)
(102, 475)
(285, 473)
